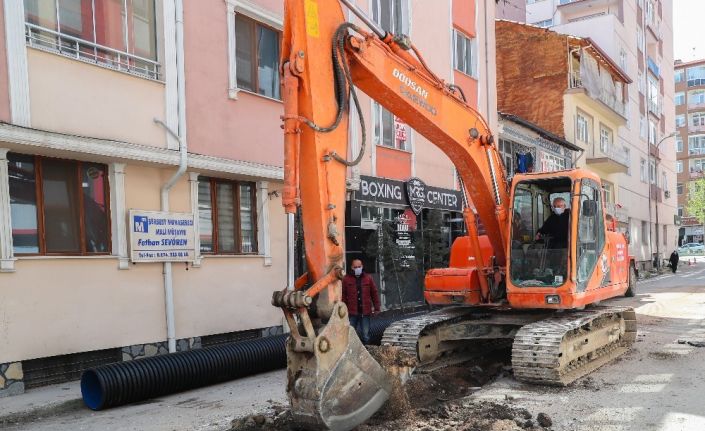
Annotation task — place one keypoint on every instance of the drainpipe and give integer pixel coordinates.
(183, 158)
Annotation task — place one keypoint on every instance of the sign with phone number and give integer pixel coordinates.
(157, 236)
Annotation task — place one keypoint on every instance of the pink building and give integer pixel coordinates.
(96, 99)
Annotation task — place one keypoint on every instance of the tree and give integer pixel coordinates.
(696, 200)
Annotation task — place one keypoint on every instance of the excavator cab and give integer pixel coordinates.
(539, 252)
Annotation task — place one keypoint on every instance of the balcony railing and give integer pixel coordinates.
(653, 67)
(655, 107)
(618, 154)
(604, 96)
(696, 82)
(696, 104)
(695, 174)
(694, 128)
(79, 49)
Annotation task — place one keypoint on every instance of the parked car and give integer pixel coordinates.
(691, 248)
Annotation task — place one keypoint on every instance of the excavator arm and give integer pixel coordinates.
(333, 383)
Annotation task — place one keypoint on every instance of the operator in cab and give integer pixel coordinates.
(556, 226)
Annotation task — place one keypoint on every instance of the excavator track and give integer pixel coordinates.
(560, 349)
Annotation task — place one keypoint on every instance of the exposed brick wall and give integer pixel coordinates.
(532, 74)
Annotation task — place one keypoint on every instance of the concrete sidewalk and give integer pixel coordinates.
(60, 407)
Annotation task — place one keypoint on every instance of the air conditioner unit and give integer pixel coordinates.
(667, 193)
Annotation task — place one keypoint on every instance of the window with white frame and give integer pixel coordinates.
(679, 98)
(608, 191)
(389, 130)
(679, 188)
(696, 144)
(652, 132)
(640, 83)
(505, 149)
(257, 56)
(642, 170)
(679, 143)
(653, 96)
(551, 163)
(697, 166)
(464, 53)
(652, 172)
(583, 126)
(643, 127)
(697, 119)
(678, 75)
(696, 76)
(664, 180)
(650, 15)
(679, 166)
(545, 23)
(628, 154)
(623, 59)
(605, 138)
(640, 39)
(116, 34)
(680, 120)
(696, 97)
(392, 15)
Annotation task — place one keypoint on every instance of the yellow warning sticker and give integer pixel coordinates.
(311, 8)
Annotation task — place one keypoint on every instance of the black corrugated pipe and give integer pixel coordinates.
(128, 382)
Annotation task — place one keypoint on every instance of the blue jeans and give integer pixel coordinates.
(361, 324)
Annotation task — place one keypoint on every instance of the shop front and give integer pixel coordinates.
(400, 229)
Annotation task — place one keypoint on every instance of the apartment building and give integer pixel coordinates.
(690, 122)
(101, 102)
(568, 86)
(638, 36)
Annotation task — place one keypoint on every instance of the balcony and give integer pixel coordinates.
(609, 159)
(579, 10)
(696, 129)
(603, 96)
(655, 107)
(653, 67)
(696, 174)
(656, 193)
(654, 28)
(696, 82)
(696, 104)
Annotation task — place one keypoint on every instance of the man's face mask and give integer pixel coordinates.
(357, 271)
(558, 210)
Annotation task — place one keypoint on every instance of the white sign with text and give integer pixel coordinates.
(157, 236)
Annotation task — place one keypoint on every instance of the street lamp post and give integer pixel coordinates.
(656, 161)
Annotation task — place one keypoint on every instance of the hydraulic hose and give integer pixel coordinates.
(132, 381)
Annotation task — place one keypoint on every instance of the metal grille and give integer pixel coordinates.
(64, 368)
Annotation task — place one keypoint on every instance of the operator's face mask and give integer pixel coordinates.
(558, 211)
(357, 271)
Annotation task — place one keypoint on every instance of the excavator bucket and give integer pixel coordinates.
(339, 385)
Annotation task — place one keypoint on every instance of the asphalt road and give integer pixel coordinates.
(658, 385)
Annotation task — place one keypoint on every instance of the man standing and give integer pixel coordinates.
(360, 295)
(674, 260)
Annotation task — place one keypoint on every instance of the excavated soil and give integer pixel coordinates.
(432, 401)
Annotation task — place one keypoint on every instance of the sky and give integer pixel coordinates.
(688, 33)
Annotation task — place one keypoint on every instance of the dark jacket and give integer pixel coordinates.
(557, 226)
(674, 258)
(370, 295)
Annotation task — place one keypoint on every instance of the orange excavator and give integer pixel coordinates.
(503, 285)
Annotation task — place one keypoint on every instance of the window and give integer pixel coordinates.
(608, 191)
(650, 16)
(664, 180)
(680, 211)
(127, 26)
(679, 188)
(551, 163)
(680, 120)
(591, 232)
(643, 128)
(697, 119)
(623, 59)
(257, 56)
(227, 216)
(696, 97)
(696, 144)
(679, 166)
(392, 15)
(644, 232)
(583, 125)
(505, 149)
(652, 132)
(58, 206)
(605, 138)
(697, 166)
(652, 172)
(679, 143)
(628, 153)
(642, 170)
(678, 75)
(653, 95)
(389, 130)
(640, 39)
(545, 23)
(464, 53)
(696, 76)
(680, 98)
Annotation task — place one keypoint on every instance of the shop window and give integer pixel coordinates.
(119, 34)
(392, 15)
(58, 206)
(464, 55)
(227, 216)
(257, 56)
(389, 130)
